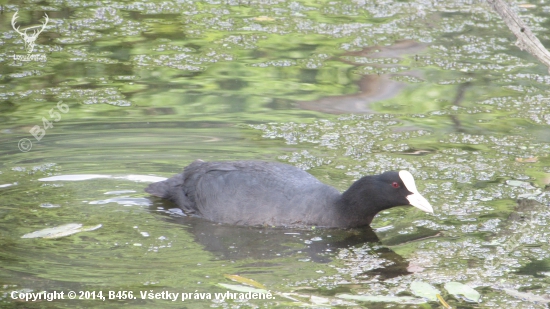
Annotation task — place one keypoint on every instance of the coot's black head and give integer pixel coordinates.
(399, 189)
(372, 194)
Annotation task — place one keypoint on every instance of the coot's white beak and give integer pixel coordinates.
(415, 199)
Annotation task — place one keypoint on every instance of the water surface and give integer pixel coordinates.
(130, 91)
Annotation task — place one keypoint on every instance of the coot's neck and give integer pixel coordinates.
(359, 204)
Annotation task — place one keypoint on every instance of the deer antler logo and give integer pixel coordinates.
(29, 39)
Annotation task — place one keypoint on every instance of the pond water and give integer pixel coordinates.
(121, 93)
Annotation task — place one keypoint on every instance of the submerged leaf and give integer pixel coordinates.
(242, 288)
(423, 289)
(61, 231)
(91, 228)
(381, 298)
(70, 228)
(463, 291)
(527, 160)
(263, 18)
(527, 296)
(316, 300)
(245, 281)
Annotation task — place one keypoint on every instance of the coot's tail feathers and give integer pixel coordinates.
(165, 188)
(179, 189)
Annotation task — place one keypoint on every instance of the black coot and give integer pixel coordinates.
(276, 194)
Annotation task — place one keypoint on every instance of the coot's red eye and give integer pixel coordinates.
(395, 185)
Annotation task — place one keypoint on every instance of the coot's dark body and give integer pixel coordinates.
(276, 194)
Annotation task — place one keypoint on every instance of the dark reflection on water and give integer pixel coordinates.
(372, 87)
(267, 244)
